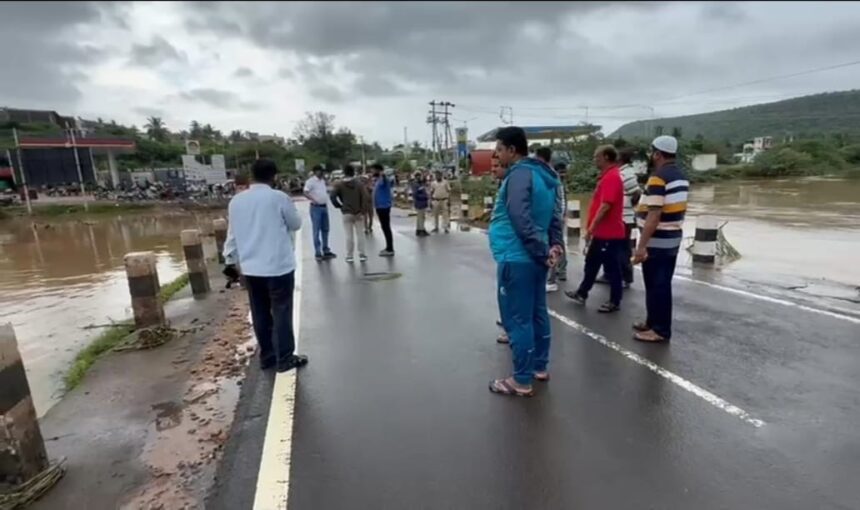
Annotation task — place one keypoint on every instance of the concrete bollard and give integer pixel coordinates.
(572, 222)
(22, 449)
(143, 285)
(220, 226)
(488, 205)
(705, 242)
(192, 246)
(464, 206)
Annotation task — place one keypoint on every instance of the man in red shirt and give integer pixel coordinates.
(605, 235)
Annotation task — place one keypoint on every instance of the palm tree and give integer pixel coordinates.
(236, 136)
(155, 128)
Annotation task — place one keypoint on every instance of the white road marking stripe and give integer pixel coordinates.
(700, 392)
(785, 302)
(273, 480)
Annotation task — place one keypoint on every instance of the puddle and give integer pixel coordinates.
(168, 415)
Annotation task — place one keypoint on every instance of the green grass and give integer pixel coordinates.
(110, 338)
(168, 290)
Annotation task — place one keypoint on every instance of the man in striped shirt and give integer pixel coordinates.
(661, 217)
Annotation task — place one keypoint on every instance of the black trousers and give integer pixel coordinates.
(271, 300)
(385, 221)
(626, 264)
(606, 253)
(657, 272)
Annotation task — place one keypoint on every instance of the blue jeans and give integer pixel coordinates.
(657, 272)
(319, 221)
(522, 303)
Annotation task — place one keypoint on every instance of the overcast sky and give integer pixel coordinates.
(258, 66)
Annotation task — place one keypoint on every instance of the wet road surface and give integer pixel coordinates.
(394, 412)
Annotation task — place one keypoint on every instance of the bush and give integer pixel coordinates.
(851, 153)
(783, 162)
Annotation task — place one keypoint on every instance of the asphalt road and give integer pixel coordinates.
(393, 410)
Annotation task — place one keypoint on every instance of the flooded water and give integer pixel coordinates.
(800, 235)
(58, 277)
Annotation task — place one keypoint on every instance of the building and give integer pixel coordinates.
(547, 135)
(704, 162)
(755, 147)
(34, 117)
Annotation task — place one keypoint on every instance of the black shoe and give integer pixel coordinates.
(329, 255)
(601, 279)
(386, 253)
(575, 296)
(266, 364)
(294, 361)
(562, 277)
(319, 258)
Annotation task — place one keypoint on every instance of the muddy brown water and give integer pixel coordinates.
(59, 276)
(799, 235)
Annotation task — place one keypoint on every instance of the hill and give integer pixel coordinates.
(802, 117)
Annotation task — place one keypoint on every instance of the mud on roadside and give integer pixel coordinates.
(186, 440)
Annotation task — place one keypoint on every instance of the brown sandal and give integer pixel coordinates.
(503, 387)
(641, 326)
(649, 336)
(542, 376)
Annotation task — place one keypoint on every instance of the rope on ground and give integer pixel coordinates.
(34, 488)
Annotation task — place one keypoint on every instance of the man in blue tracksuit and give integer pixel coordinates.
(526, 240)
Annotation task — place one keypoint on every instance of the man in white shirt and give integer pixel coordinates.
(440, 194)
(317, 192)
(260, 233)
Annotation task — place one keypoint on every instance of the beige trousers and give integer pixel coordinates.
(440, 207)
(353, 226)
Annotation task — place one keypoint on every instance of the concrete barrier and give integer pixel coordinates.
(143, 285)
(464, 206)
(22, 449)
(198, 277)
(220, 226)
(572, 222)
(488, 205)
(705, 242)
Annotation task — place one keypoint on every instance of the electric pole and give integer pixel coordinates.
(432, 119)
(510, 111)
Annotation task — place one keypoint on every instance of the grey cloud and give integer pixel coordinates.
(328, 93)
(727, 12)
(243, 72)
(393, 47)
(377, 85)
(148, 112)
(37, 41)
(223, 99)
(286, 73)
(159, 51)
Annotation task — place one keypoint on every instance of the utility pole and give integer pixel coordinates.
(432, 119)
(23, 174)
(510, 111)
(78, 165)
(449, 138)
